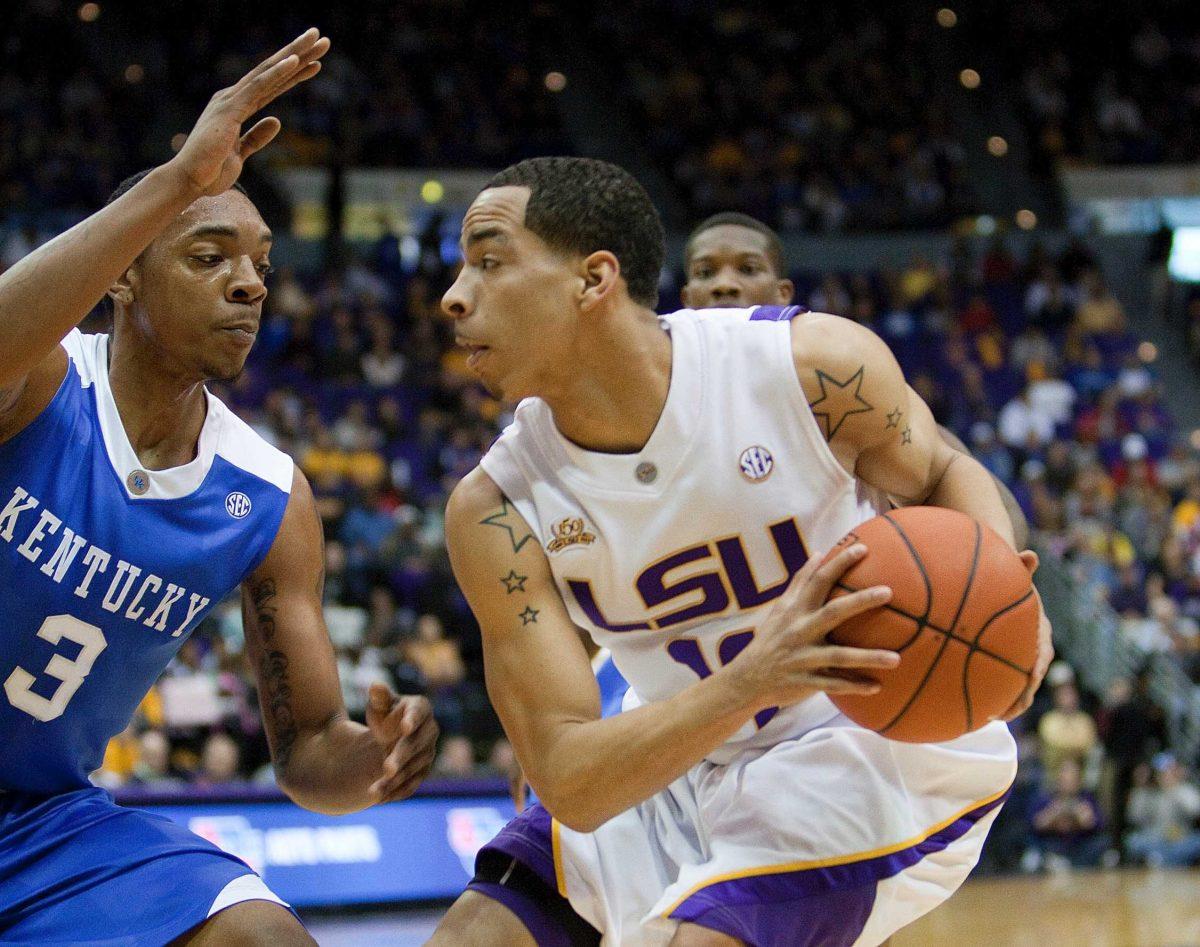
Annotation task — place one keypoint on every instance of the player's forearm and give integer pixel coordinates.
(44, 295)
(595, 770)
(966, 486)
(331, 770)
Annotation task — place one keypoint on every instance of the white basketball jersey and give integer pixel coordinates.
(669, 556)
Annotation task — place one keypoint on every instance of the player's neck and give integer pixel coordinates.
(162, 411)
(613, 402)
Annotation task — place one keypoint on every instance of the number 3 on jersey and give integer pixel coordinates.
(70, 672)
(687, 652)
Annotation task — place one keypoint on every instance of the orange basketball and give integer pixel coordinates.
(963, 617)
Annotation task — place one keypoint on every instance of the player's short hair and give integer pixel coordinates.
(129, 182)
(582, 205)
(731, 217)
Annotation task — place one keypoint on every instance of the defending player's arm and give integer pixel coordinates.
(323, 760)
(1016, 515)
(881, 430)
(587, 770)
(44, 295)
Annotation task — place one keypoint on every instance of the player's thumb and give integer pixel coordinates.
(1030, 560)
(379, 702)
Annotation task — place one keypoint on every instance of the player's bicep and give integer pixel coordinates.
(875, 424)
(539, 677)
(286, 641)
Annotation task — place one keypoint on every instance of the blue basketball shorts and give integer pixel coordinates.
(77, 868)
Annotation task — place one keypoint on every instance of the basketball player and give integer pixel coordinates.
(132, 501)
(671, 492)
(734, 261)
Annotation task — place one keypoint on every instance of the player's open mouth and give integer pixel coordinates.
(475, 350)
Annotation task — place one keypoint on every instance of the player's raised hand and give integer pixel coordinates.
(212, 157)
(789, 658)
(407, 734)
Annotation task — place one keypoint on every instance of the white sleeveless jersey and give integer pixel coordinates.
(670, 556)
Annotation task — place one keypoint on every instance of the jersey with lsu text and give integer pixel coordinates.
(670, 556)
(105, 567)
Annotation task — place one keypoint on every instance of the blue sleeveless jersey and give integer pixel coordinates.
(105, 568)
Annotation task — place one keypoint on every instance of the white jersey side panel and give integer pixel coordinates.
(669, 557)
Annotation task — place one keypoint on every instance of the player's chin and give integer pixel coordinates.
(225, 370)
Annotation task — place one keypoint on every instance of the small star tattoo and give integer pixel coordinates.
(529, 616)
(839, 400)
(906, 436)
(513, 582)
(894, 416)
(508, 519)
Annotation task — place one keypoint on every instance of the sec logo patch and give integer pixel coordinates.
(756, 463)
(237, 505)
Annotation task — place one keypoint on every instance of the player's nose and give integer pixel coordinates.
(456, 301)
(246, 284)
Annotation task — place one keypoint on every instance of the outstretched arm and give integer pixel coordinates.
(883, 433)
(44, 295)
(323, 760)
(587, 770)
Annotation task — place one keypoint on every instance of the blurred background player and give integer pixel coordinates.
(695, 818)
(131, 500)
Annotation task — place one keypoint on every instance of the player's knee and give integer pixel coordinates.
(693, 935)
(250, 924)
(475, 920)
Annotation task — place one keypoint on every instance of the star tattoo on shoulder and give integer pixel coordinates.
(906, 436)
(508, 519)
(839, 400)
(513, 582)
(894, 416)
(529, 616)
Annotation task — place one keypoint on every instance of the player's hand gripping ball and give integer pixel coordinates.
(963, 616)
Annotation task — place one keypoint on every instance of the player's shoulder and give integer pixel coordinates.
(86, 351)
(822, 339)
(474, 496)
(243, 447)
(728, 316)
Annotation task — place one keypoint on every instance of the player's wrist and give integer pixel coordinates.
(173, 180)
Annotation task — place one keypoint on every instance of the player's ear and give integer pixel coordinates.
(787, 292)
(121, 291)
(600, 271)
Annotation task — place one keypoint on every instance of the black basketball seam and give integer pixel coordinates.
(943, 631)
(1007, 608)
(945, 637)
(973, 648)
(916, 558)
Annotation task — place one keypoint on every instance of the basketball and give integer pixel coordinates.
(963, 616)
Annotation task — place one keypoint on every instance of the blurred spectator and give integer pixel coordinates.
(1067, 732)
(456, 758)
(220, 761)
(1068, 823)
(1163, 811)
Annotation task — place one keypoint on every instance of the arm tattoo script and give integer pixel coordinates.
(277, 705)
(263, 597)
(839, 400)
(508, 519)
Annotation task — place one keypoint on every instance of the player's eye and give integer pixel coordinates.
(702, 273)
(488, 263)
(749, 269)
(265, 269)
(208, 259)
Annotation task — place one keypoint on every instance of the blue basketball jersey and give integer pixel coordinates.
(105, 567)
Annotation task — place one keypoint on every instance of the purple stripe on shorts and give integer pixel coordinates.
(546, 932)
(830, 919)
(528, 839)
(776, 313)
(812, 893)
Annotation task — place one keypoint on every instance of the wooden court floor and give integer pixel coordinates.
(1082, 909)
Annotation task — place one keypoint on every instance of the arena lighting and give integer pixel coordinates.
(947, 18)
(89, 12)
(432, 192)
(555, 81)
(1026, 219)
(134, 73)
(997, 146)
(969, 78)
(1147, 351)
(985, 225)
(1184, 262)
